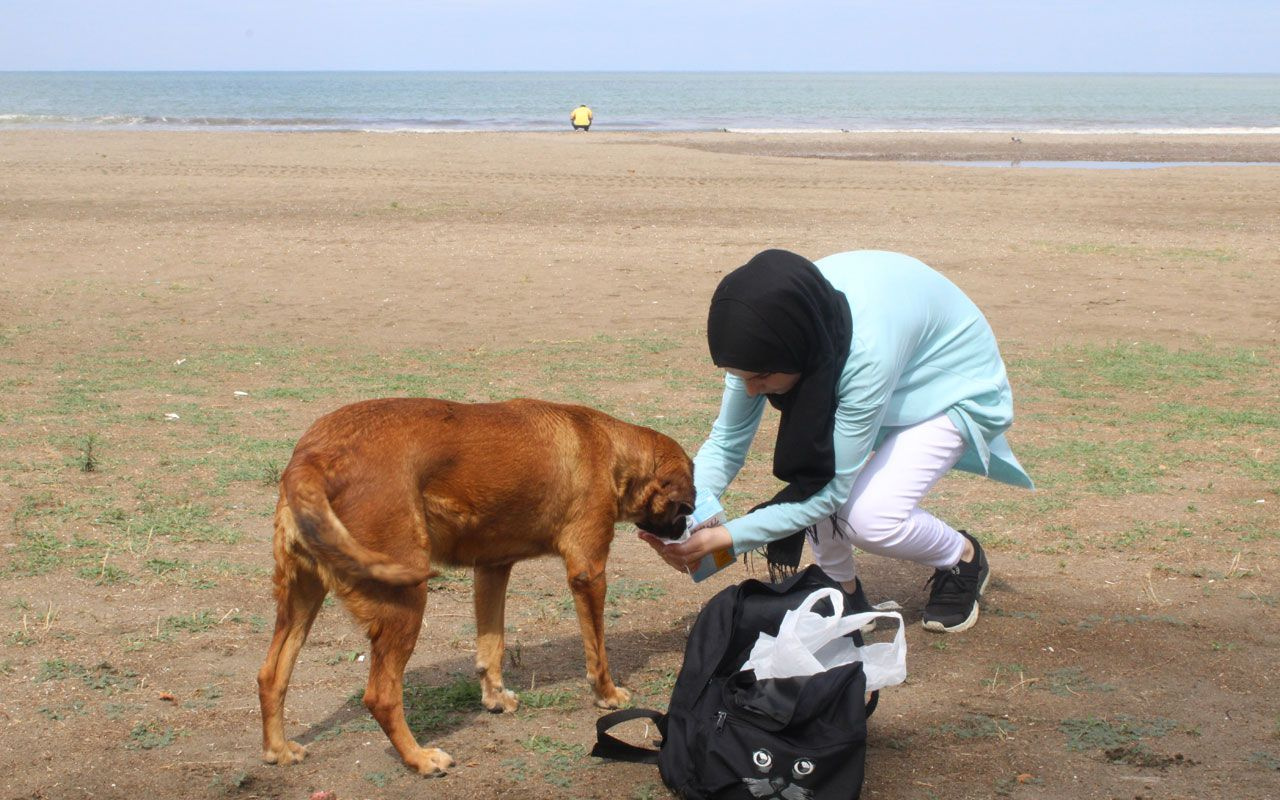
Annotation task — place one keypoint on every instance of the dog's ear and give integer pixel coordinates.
(665, 506)
(672, 496)
(647, 498)
(659, 497)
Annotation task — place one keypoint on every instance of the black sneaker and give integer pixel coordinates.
(953, 600)
(856, 602)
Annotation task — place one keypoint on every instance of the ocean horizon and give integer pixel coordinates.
(772, 102)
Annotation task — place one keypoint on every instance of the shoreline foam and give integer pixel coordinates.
(165, 124)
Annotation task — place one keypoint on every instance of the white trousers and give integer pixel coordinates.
(883, 514)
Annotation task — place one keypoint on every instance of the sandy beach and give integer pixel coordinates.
(481, 239)
(996, 146)
(176, 308)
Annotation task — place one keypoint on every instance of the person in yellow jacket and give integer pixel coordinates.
(581, 118)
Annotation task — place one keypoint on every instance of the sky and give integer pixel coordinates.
(784, 35)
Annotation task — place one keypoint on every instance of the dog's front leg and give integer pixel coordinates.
(587, 582)
(491, 599)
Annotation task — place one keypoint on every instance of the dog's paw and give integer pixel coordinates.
(500, 702)
(291, 753)
(431, 762)
(618, 698)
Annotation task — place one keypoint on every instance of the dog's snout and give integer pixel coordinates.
(667, 530)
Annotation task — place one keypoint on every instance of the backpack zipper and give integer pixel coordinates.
(721, 716)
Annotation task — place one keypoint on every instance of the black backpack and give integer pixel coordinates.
(728, 735)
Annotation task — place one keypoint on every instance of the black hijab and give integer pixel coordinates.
(777, 313)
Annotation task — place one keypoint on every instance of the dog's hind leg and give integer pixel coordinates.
(299, 593)
(491, 598)
(587, 582)
(393, 621)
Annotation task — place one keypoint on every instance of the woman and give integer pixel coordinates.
(887, 376)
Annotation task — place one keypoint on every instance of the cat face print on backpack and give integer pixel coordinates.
(780, 778)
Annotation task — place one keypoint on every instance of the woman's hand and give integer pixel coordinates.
(684, 557)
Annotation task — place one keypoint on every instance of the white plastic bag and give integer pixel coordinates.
(809, 643)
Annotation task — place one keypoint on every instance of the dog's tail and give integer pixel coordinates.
(328, 539)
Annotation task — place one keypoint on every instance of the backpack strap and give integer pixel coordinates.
(873, 702)
(610, 747)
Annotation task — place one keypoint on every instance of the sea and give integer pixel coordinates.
(641, 101)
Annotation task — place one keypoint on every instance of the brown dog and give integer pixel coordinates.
(378, 491)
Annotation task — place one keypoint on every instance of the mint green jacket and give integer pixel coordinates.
(919, 348)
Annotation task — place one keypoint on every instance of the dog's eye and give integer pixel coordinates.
(802, 767)
(762, 759)
(684, 510)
